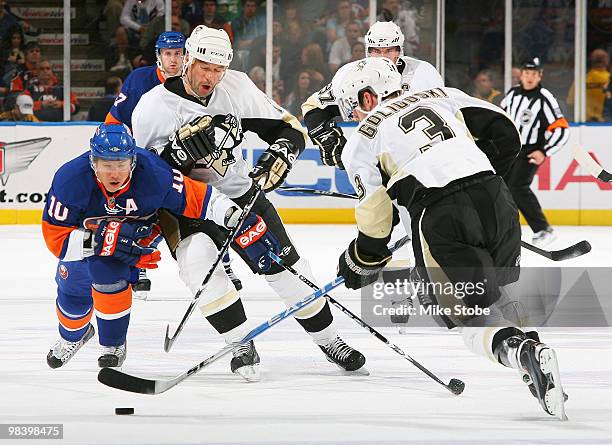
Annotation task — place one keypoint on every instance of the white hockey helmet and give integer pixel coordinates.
(376, 74)
(384, 35)
(208, 45)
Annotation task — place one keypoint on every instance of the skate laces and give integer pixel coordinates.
(338, 349)
(64, 349)
(114, 350)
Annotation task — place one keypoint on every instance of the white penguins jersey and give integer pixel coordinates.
(415, 142)
(166, 108)
(417, 75)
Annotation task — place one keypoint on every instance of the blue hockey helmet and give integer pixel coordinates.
(170, 40)
(112, 142)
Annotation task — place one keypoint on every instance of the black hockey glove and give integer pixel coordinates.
(275, 163)
(359, 270)
(192, 142)
(330, 140)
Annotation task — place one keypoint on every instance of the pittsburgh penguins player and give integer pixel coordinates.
(465, 225)
(320, 111)
(196, 122)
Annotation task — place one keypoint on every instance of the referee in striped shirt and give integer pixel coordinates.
(544, 131)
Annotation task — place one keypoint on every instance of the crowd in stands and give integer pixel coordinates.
(311, 40)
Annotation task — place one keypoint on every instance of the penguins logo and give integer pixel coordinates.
(228, 135)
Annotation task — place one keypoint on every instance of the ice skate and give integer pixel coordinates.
(142, 287)
(401, 316)
(343, 355)
(246, 362)
(112, 356)
(64, 350)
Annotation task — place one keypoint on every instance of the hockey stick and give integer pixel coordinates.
(587, 162)
(455, 386)
(169, 341)
(317, 192)
(116, 379)
(573, 251)
(578, 249)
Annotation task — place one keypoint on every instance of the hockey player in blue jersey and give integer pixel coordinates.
(97, 222)
(169, 49)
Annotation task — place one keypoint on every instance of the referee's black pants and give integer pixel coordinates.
(519, 180)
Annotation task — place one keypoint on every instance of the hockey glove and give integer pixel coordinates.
(275, 163)
(255, 240)
(120, 241)
(358, 269)
(330, 140)
(191, 143)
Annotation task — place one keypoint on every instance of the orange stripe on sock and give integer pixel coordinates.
(72, 324)
(111, 304)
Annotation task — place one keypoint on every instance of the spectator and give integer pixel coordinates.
(99, 110)
(21, 78)
(23, 111)
(48, 95)
(154, 29)
(212, 19)
(192, 10)
(135, 17)
(358, 51)
(312, 59)
(597, 81)
(12, 50)
(406, 20)
(229, 9)
(292, 51)
(7, 21)
(248, 26)
(483, 88)
(112, 12)
(516, 75)
(340, 52)
(258, 75)
(335, 26)
(302, 91)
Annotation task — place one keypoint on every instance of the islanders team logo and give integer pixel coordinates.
(17, 156)
(63, 272)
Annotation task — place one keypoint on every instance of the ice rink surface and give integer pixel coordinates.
(301, 397)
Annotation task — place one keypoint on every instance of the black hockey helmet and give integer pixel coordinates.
(532, 64)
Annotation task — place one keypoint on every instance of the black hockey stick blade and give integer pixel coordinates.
(118, 380)
(576, 250)
(591, 165)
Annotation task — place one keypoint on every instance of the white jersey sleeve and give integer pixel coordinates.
(419, 75)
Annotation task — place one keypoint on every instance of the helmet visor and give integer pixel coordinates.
(347, 108)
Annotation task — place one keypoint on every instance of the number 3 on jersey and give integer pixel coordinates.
(437, 126)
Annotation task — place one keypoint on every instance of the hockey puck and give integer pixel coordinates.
(124, 411)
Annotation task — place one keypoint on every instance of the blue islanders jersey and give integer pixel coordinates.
(77, 198)
(137, 83)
